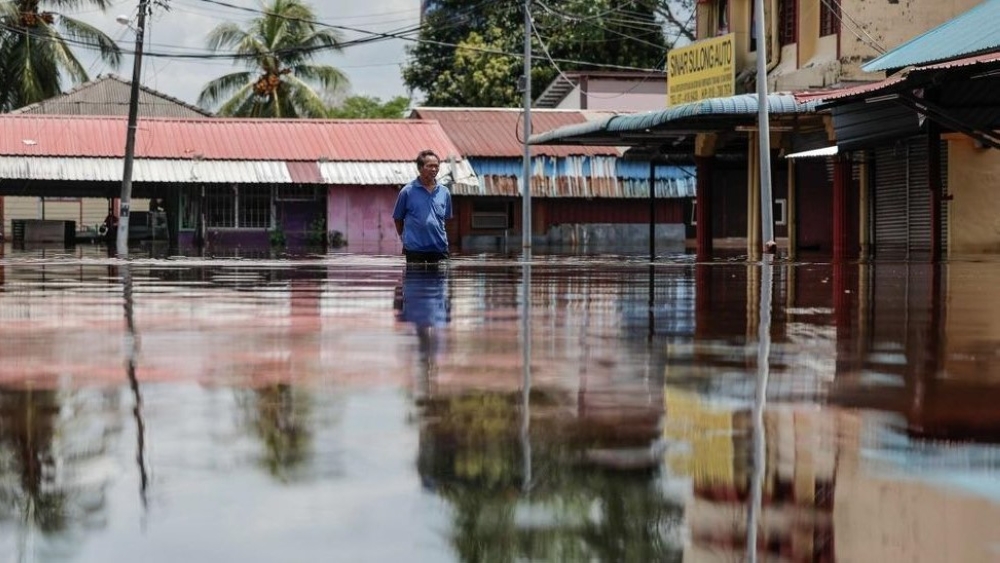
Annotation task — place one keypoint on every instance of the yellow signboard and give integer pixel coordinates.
(705, 69)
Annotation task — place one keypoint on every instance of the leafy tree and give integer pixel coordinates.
(35, 52)
(278, 48)
(370, 107)
(471, 55)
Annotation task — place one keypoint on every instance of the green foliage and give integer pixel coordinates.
(278, 47)
(470, 55)
(370, 107)
(277, 237)
(35, 50)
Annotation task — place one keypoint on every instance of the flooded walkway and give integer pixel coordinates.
(343, 408)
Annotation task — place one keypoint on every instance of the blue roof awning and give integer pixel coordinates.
(971, 33)
(684, 116)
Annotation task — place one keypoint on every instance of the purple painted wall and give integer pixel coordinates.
(363, 214)
(301, 221)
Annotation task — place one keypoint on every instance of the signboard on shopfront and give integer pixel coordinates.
(701, 70)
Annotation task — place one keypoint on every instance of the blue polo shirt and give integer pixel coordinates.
(423, 214)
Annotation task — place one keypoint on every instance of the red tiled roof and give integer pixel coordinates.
(224, 139)
(500, 132)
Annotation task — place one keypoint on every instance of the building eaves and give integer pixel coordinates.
(973, 32)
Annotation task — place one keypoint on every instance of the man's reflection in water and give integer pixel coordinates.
(424, 301)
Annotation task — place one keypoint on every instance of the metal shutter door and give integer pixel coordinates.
(919, 203)
(889, 202)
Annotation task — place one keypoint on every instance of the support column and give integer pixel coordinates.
(790, 211)
(703, 207)
(754, 244)
(934, 185)
(841, 216)
(704, 160)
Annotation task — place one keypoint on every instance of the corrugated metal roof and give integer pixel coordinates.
(580, 176)
(975, 31)
(988, 60)
(396, 173)
(742, 105)
(110, 95)
(500, 131)
(145, 170)
(224, 171)
(224, 138)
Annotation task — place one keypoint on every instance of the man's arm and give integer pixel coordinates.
(399, 227)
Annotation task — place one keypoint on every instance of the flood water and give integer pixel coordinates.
(344, 408)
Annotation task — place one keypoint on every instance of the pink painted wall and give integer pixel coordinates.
(364, 215)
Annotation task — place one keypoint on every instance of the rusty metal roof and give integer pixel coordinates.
(224, 138)
(499, 132)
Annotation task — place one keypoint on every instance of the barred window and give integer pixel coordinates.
(227, 207)
(220, 206)
(829, 17)
(254, 205)
(788, 12)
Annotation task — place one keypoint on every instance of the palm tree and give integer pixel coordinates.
(35, 49)
(277, 48)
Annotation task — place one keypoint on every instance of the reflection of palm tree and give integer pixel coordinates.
(50, 472)
(277, 48)
(470, 454)
(34, 50)
(28, 433)
(279, 415)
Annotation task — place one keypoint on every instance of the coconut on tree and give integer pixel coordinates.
(281, 79)
(35, 53)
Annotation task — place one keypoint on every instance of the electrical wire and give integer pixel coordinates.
(836, 8)
(548, 57)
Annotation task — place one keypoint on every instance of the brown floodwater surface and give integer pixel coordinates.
(346, 408)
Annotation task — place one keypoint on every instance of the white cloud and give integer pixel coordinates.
(372, 69)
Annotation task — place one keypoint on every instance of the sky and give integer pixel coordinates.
(373, 70)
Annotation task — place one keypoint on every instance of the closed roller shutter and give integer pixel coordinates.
(890, 203)
(902, 201)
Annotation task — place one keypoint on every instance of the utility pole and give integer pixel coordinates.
(526, 172)
(133, 113)
(763, 127)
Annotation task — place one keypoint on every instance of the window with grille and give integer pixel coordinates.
(788, 14)
(227, 207)
(254, 207)
(829, 17)
(220, 206)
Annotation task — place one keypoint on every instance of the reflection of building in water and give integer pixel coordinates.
(926, 349)
(560, 495)
(711, 446)
(836, 482)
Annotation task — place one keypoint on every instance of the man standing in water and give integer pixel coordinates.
(422, 207)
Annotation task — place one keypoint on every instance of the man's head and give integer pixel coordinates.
(428, 164)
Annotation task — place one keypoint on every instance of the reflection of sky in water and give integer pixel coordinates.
(972, 468)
